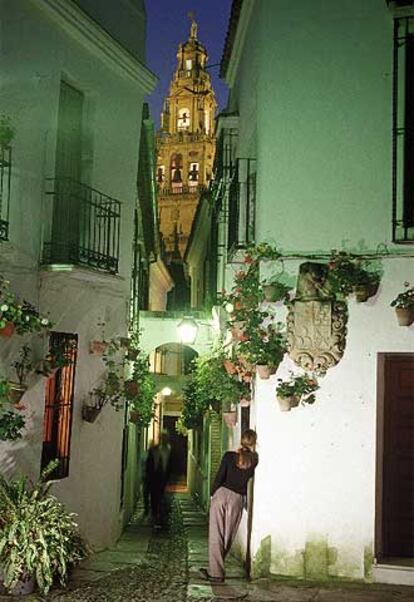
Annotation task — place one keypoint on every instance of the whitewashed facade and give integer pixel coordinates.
(95, 54)
(311, 102)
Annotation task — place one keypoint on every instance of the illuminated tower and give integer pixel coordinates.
(185, 144)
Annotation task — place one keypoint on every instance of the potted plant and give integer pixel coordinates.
(15, 316)
(99, 346)
(295, 390)
(351, 274)
(11, 420)
(404, 306)
(274, 290)
(265, 347)
(39, 539)
(7, 131)
(23, 366)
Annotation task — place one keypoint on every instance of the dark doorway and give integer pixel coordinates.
(178, 451)
(395, 457)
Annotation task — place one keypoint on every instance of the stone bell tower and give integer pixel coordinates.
(185, 144)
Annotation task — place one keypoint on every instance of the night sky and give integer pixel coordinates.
(168, 25)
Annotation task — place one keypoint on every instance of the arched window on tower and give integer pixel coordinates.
(177, 172)
(193, 175)
(183, 121)
(161, 174)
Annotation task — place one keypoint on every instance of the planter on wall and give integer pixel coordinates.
(132, 388)
(16, 392)
(265, 371)
(230, 418)
(363, 292)
(287, 403)
(98, 347)
(134, 416)
(405, 315)
(7, 330)
(90, 413)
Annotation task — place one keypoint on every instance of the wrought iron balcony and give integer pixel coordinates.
(85, 227)
(242, 204)
(5, 186)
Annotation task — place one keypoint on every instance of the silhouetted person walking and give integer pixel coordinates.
(158, 470)
(228, 494)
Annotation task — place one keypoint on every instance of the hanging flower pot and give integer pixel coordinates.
(264, 371)
(288, 402)
(134, 416)
(364, 291)
(237, 331)
(405, 315)
(98, 347)
(16, 392)
(131, 388)
(90, 413)
(229, 366)
(8, 330)
(230, 418)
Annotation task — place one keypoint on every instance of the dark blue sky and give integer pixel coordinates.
(168, 25)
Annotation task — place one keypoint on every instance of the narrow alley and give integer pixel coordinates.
(150, 565)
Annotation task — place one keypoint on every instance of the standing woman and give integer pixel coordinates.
(228, 493)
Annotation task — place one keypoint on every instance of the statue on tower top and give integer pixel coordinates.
(193, 30)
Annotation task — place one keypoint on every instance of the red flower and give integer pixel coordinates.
(248, 259)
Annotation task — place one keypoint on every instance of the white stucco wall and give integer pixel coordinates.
(323, 140)
(38, 50)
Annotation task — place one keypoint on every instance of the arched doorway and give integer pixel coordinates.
(170, 364)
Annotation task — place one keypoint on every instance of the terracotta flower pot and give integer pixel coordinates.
(287, 403)
(264, 371)
(90, 413)
(237, 331)
(229, 367)
(364, 291)
(7, 330)
(230, 418)
(132, 388)
(134, 416)
(16, 392)
(98, 347)
(405, 315)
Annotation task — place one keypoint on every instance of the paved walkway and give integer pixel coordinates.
(162, 566)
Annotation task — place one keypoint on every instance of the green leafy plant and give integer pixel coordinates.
(404, 300)
(23, 365)
(23, 315)
(345, 272)
(39, 538)
(12, 422)
(302, 386)
(264, 345)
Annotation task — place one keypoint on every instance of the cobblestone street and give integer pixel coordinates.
(159, 566)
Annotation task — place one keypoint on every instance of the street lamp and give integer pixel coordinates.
(187, 330)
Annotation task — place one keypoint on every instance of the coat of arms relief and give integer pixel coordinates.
(316, 321)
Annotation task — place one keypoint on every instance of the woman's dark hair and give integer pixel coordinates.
(245, 453)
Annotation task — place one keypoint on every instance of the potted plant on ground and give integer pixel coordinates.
(295, 390)
(39, 539)
(404, 306)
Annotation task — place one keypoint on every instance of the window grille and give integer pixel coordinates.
(5, 187)
(57, 422)
(403, 131)
(241, 208)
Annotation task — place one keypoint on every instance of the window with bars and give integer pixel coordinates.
(241, 207)
(403, 131)
(57, 422)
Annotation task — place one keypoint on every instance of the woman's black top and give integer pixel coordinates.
(232, 477)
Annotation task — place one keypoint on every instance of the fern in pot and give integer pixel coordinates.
(39, 539)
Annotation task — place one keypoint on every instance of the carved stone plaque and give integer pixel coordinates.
(316, 333)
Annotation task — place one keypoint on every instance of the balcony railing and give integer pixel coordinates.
(85, 227)
(5, 186)
(183, 189)
(241, 205)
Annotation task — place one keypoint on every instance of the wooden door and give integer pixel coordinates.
(396, 446)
